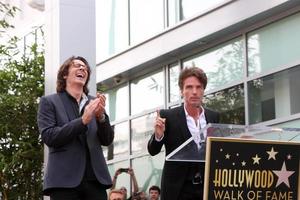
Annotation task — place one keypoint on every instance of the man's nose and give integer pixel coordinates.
(82, 67)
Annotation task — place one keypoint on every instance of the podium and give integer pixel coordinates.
(246, 162)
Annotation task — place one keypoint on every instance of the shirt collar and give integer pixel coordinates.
(202, 114)
(83, 101)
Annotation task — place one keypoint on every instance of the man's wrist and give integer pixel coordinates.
(101, 118)
(83, 120)
(158, 139)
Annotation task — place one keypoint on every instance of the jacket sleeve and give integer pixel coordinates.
(154, 146)
(53, 134)
(105, 132)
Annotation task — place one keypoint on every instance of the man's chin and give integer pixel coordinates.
(196, 105)
(81, 81)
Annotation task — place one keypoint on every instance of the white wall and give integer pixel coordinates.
(26, 18)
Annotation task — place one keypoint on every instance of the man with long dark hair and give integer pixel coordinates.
(74, 125)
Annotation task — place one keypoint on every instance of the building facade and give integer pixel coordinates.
(249, 49)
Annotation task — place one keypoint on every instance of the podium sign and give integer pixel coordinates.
(244, 169)
(189, 151)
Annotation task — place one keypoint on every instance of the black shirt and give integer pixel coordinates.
(74, 106)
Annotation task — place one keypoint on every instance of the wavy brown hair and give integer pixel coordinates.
(192, 71)
(64, 71)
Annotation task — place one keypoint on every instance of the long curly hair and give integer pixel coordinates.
(64, 71)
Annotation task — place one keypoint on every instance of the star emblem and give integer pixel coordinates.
(227, 156)
(272, 154)
(243, 163)
(283, 175)
(256, 159)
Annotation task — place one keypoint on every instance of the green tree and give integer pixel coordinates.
(21, 85)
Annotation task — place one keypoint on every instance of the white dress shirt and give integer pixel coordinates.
(195, 126)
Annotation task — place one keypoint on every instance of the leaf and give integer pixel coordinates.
(21, 84)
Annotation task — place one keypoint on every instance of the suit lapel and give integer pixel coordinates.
(183, 124)
(91, 126)
(70, 112)
(66, 106)
(208, 116)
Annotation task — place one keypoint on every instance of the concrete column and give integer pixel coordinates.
(69, 30)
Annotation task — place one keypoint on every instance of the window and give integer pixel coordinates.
(274, 45)
(111, 28)
(274, 96)
(183, 9)
(141, 131)
(117, 103)
(120, 146)
(229, 103)
(147, 92)
(146, 19)
(222, 64)
(148, 170)
(191, 7)
(174, 91)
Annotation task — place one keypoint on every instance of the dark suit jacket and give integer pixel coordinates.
(175, 173)
(67, 152)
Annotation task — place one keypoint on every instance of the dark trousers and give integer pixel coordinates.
(191, 191)
(87, 190)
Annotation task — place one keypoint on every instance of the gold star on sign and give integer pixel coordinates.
(272, 154)
(243, 163)
(256, 159)
(227, 156)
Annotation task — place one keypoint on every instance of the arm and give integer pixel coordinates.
(154, 146)
(52, 134)
(114, 181)
(134, 181)
(157, 139)
(105, 131)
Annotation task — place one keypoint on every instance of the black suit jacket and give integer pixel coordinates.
(175, 173)
(67, 152)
